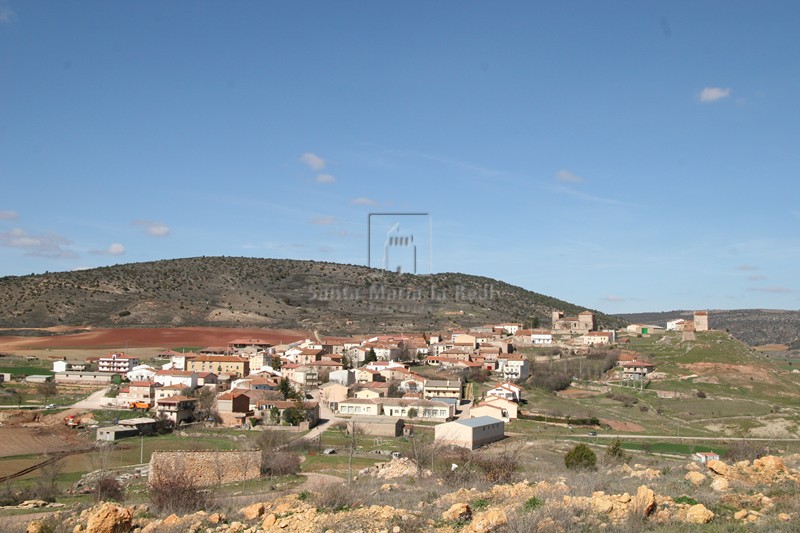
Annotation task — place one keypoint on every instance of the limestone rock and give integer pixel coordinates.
(644, 503)
(695, 478)
(740, 515)
(457, 512)
(35, 526)
(269, 521)
(253, 511)
(698, 514)
(487, 521)
(769, 463)
(110, 518)
(720, 485)
(718, 467)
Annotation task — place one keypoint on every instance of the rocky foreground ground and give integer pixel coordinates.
(762, 495)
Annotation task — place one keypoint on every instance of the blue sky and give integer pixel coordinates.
(625, 156)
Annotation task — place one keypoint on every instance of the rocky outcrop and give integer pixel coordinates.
(110, 518)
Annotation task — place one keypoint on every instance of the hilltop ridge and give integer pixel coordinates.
(274, 293)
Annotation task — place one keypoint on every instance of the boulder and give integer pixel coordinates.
(110, 518)
(740, 515)
(269, 521)
(644, 503)
(457, 512)
(719, 485)
(36, 526)
(695, 478)
(487, 521)
(769, 463)
(718, 467)
(253, 511)
(698, 514)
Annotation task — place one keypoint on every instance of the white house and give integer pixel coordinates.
(183, 378)
(541, 337)
(470, 433)
(141, 373)
(515, 368)
(676, 325)
(507, 390)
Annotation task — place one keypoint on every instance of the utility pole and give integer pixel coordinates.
(141, 452)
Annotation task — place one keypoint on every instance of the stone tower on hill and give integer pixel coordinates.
(701, 320)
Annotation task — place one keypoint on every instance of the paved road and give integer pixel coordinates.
(95, 400)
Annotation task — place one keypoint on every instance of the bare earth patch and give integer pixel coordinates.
(578, 393)
(706, 371)
(151, 338)
(617, 425)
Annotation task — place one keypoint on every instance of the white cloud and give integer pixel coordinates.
(361, 200)
(156, 229)
(612, 298)
(747, 268)
(772, 290)
(323, 221)
(712, 94)
(45, 245)
(9, 215)
(325, 178)
(115, 249)
(6, 15)
(314, 161)
(756, 277)
(569, 177)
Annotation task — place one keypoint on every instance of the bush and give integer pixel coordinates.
(615, 452)
(280, 464)
(532, 504)
(108, 488)
(174, 491)
(334, 497)
(580, 457)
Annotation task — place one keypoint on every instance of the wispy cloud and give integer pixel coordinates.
(323, 221)
(6, 15)
(325, 179)
(568, 177)
(313, 161)
(587, 197)
(362, 200)
(115, 249)
(756, 277)
(747, 268)
(9, 215)
(152, 227)
(44, 245)
(772, 290)
(712, 94)
(613, 298)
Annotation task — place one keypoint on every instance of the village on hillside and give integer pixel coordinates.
(468, 383)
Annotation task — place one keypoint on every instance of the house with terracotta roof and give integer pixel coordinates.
(178, 409)
(637, 369)
(234, 407)
(598, 337)
(514, 367)
(507, 390)
(496, 407)
(219, 364)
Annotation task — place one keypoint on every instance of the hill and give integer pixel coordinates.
(272, 293)
(755, 327)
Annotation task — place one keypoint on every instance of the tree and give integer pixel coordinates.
(580, 457)
(412, 413)
(371, 356)
(615, 451)
(295, 414)
(275, 363)
(351, 430)
(47, 389)
(286, 389)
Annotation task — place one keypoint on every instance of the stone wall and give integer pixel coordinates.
(207, 467)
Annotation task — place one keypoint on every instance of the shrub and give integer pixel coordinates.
(615, 452)
(532, 504)
(108, 488)
(580, 457)
(686, 499)
(334, 497)
(172, 490)
(280, 464)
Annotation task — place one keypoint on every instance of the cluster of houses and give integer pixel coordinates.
(371, 381)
